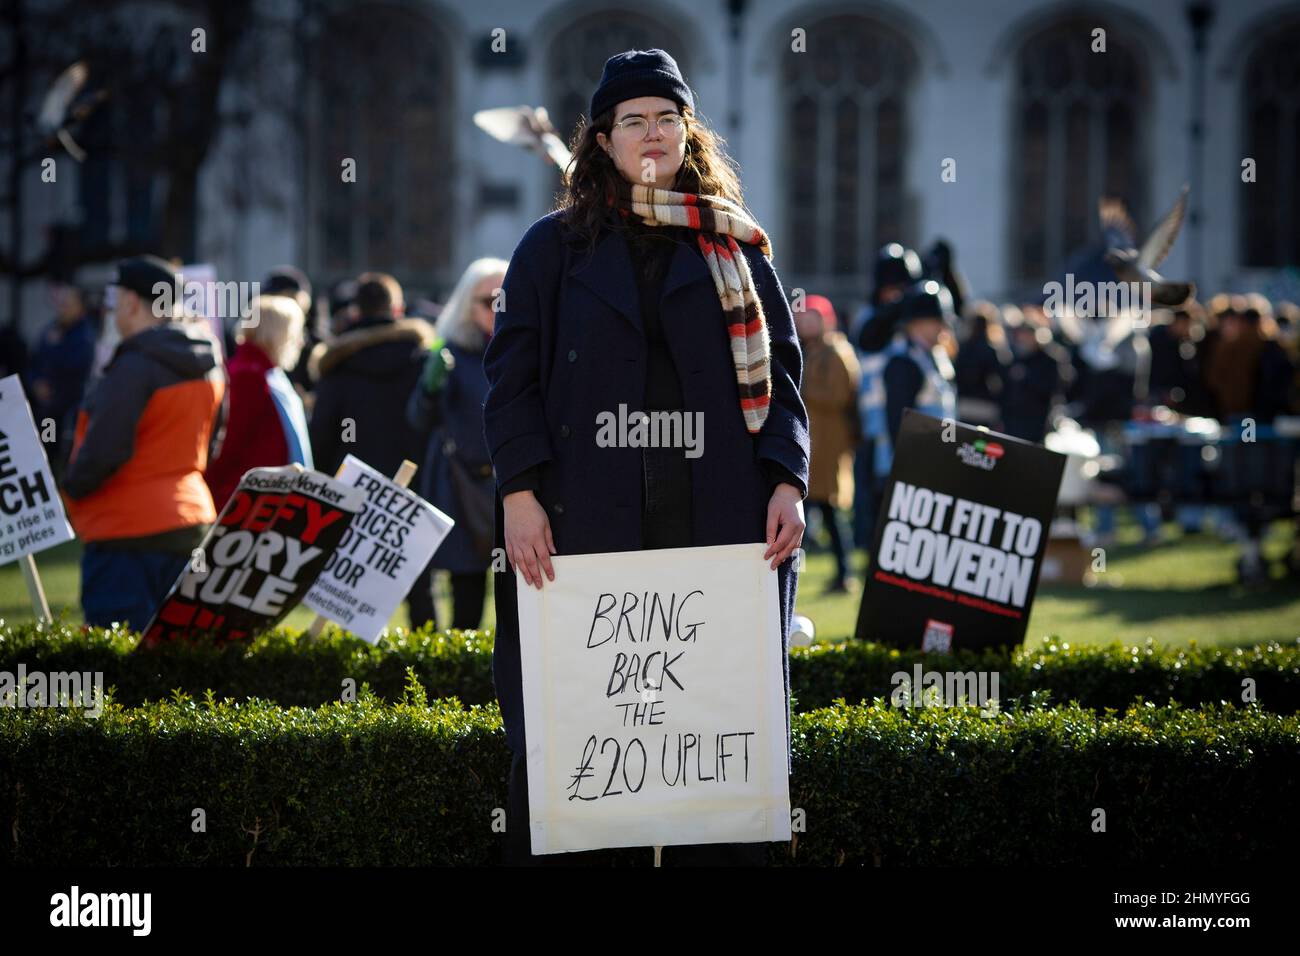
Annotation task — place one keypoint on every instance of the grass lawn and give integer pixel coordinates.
(1175, 592)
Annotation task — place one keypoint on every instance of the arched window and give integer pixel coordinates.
(843, 143)
(1078, 136)
(384, 99)
(1270, 108)
(578, 54)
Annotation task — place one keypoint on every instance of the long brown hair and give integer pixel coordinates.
(592, 176)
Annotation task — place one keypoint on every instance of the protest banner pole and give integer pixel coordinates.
(405, 472)
(25, 466)
(35, 590)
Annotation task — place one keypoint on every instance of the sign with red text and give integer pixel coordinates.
(268, 545)
(654, 700)
(959, 539)
(380, 555)
(31, 512)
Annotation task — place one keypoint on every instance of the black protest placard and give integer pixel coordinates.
(256, 563)
(959, 539)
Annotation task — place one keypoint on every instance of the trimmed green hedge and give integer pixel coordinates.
(1097, 677)
(287, 667)
(371, 783)
(295, 670)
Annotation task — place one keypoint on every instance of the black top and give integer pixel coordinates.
(903, 382)
(652, 249)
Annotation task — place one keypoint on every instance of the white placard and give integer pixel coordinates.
(654, 700)
(381, 554)
(31, 512)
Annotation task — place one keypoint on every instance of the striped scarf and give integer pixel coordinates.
(719, 223)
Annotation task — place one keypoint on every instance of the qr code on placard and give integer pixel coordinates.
(937, 637)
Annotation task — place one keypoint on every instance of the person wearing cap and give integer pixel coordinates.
(649, 288)
(830, 385)
(134, 483)
(918, 373)
(895, 270)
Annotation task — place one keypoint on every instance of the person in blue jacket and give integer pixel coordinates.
(447, 406)
(918, 373)
(895, 270)
(610, 300)
(55, 379)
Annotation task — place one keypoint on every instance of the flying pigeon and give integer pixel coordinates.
(52, 120)
(1139, 265)
(525, 126)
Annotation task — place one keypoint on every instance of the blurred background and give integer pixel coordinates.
(235, 136)
(232, 156)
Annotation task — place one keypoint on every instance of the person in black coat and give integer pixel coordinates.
(1031, 380)
(603, 310)
(364, 378)
(1178, 342)
(980, 367)
(446, 405)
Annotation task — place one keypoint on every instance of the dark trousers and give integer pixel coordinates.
(468, 593)
(864, 477)
(665, 523)
(831, 519)
(127, 586)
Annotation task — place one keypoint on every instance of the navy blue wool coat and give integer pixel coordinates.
(570, 345)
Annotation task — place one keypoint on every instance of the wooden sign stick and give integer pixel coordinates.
(35, 590)
(402, 479)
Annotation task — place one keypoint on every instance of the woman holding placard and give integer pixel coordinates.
(650, 288)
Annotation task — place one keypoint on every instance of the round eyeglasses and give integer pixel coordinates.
(670, 124)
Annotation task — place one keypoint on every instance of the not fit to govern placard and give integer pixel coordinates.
(31, 513)
(960, 538)
(654, 700)
(380, 554)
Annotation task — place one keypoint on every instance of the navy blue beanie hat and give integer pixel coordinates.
(639, 73)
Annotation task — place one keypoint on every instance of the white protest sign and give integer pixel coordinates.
(381, 554)
(654, 700)
(31, 512)
(202, 296)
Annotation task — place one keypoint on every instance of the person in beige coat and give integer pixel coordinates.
(829, 390)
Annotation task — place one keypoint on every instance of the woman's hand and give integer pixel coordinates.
(784, 523)
(528, 536)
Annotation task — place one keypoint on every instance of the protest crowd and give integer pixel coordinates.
(348, 445)
(152, 439)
